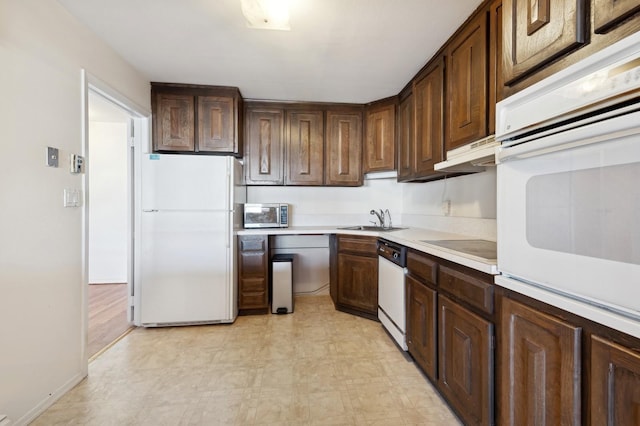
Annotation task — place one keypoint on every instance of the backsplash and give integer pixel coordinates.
(333, 205)
(473, 203)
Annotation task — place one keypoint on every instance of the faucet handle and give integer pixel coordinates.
(390, 225)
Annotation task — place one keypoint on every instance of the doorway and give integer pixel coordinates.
(96, 94)
(109, 239)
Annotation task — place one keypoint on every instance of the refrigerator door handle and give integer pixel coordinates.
(229, 200)
(150, 211)
(228, 231)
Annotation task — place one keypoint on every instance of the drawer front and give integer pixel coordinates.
(253, 243)
(253, 264)
(252, 285)
(251, 300)
(470, 289)
(422, 267)
(358, 244)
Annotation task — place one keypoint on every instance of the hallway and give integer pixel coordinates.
(107, 315)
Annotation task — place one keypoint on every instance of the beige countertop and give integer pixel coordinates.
(410, 237)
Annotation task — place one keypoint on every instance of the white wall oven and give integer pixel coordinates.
(569, 188)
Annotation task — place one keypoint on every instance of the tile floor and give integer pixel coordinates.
(316, 366)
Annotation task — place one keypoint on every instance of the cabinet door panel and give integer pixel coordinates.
(607, 14)
(496, 76)
(344, 149)
(429, 126)
(380, 139)
(253, 271)
(358, 282)
(175, 123)
(216, 124)
(465, 374)
(467, 85)
(615, 384)
(538, 31)
(421, 325)
(264, 147)
(405, 138)
(540, 369)
(305, 162)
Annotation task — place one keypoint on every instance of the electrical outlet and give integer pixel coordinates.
(446, 207)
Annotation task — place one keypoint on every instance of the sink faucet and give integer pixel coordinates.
(380, 217)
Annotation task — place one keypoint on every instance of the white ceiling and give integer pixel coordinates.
(337, 50)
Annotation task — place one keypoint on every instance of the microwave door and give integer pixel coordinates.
(261, 216)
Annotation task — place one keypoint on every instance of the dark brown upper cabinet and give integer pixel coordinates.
(496, 76)
(343, 148)
(173, 118)
(380, 141)
(304, 162)
(216, 124)
(196, 119)
(467, 84)
(264, 150)
(310, 144)
(538, 31)
(421, 125)
(405, 137)
(428, 96)
(608, 14)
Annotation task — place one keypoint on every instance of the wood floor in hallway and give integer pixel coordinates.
(107, 315)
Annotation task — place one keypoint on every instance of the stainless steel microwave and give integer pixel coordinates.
(266, 215)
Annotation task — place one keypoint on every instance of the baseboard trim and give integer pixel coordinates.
(49, 401)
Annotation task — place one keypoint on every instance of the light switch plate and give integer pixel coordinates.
(72, 197)
(52, 156)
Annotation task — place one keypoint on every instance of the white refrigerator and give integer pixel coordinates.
(190, 207)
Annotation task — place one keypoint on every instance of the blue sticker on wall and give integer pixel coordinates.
(154, 156)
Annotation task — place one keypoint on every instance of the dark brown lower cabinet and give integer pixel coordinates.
(421, 326)
(354, 274)
(253, 274)
(540, 368)
(357, 275)
(615, 384)
(465, 374)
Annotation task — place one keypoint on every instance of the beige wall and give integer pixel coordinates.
(42, 52)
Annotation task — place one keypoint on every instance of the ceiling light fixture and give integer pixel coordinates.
(266, 14)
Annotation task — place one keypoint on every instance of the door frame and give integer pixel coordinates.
(138, 142)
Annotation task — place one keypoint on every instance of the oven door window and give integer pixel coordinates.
(592, 212)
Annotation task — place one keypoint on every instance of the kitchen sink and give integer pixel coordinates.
(371, 228)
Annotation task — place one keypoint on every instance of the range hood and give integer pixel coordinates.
(471, 158)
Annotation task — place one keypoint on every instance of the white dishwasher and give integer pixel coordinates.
(392, 260)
